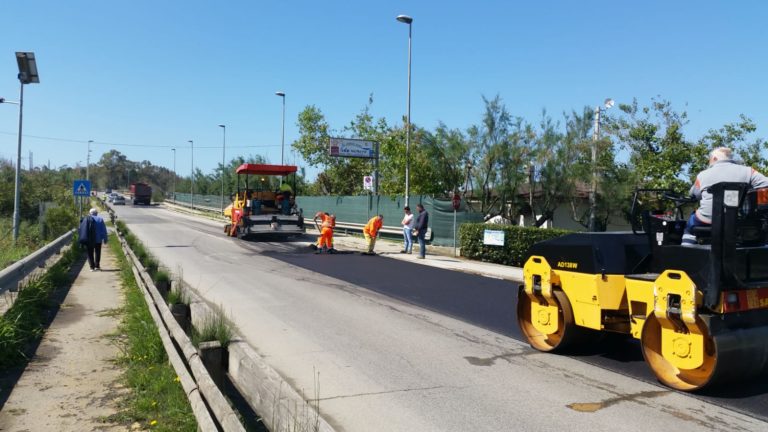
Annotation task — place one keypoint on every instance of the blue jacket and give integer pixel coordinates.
(92, 230)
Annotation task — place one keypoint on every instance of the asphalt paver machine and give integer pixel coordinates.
(260, 208)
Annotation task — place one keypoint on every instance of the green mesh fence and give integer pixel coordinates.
(212, 201)
(358, 209)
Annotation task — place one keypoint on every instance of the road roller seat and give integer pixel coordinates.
(703, 233)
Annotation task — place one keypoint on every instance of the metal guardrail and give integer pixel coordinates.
(18, 271)
(215, 210)
(358, 227)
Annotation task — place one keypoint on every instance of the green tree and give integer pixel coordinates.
(490, 153)
(660, 155)
(739, 137)
(440, 160)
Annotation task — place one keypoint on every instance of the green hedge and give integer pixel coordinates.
(517, 241)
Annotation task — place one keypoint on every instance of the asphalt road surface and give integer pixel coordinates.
(492, 304)
(384, 344)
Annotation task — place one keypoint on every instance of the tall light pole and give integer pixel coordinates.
(593, 190)
(88, 162)
(192, 178)
(282, 142)
(223, 149)
(27, 75)
(174, 175)
(408, 20)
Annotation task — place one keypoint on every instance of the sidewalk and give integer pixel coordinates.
(72, 382)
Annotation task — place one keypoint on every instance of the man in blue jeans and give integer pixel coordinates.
(422, 223)
(408, 222)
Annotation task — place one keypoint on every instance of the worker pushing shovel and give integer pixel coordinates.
(325, 240)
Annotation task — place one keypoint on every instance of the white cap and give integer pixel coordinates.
(94, 211)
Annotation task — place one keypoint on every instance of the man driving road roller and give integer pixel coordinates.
(722, 168)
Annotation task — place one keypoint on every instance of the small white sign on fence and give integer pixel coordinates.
(493, 237)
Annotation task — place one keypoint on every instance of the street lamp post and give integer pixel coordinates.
(192, 177)
(223, 149)
(593, 189)
(173, 194)
(282, 142)
(408, 20)
(88, 162)
(27, 75)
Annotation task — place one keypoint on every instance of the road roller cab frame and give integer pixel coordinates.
(700, 312)
(257, 209)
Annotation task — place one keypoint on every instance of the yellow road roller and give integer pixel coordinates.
(700, 311)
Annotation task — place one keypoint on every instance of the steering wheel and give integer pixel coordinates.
(679, 199)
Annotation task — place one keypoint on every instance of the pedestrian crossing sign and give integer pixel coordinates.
(82, 188)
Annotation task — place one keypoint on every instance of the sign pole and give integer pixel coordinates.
(454, 231)
(456, 203)
(376, 178)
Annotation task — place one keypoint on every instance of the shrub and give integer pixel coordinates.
(59, 220)
(517, 241)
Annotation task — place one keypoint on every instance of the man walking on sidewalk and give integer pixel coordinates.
(422, 222)
(92, 233)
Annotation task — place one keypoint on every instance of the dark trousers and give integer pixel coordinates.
(94, 255)
(693, 221)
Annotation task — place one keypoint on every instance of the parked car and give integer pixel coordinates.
(118, 200)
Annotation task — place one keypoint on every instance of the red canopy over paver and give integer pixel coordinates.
(264, 169)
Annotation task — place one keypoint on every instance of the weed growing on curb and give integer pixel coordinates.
(214, 327)
(157, 400)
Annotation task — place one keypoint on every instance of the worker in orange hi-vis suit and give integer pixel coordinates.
(327, 223)
(370, 232)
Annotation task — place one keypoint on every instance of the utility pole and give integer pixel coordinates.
(593, 189)
(192, 177)
(88, 162)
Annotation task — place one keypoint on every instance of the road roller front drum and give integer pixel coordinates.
(563, 331)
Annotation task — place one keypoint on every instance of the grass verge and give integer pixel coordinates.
(25, 321)
(157, 400)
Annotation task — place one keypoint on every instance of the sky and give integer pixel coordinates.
(145, 76)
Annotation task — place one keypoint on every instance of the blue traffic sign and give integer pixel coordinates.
(82, 188)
